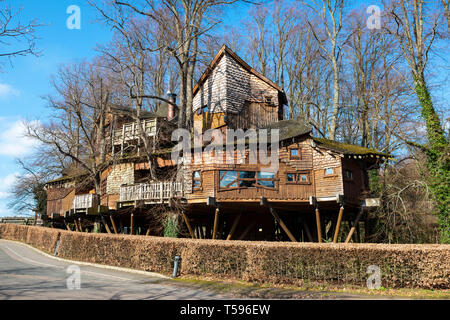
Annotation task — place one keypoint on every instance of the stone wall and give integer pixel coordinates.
(120, 174)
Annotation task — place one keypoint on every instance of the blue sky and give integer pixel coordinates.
(23, 83)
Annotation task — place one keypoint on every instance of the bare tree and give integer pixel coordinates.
(329, 39)
(13, 33)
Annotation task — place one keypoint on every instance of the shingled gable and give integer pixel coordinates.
(228, 82)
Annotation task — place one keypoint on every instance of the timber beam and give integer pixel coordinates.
(106, 225)
(234, 226)
(113, 224)
(355, 223)
(319, 227)
(338, 224)
(216, 223)
(188, 224)
(278, 219)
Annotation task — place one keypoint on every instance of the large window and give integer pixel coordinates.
(246, 179)
(298, 178)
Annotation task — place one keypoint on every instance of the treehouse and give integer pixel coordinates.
(252, 176)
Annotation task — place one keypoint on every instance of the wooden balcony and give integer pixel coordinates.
(150, 193)
(130, 131)
(87, 204)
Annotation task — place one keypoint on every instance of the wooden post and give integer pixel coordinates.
(186, 220)
(308, 233)
(281, 223)
(319, 228)
(249, 227)
(67, 226)
(352, 230)
(131, 223)
(80, 225)
(216, 223)
(148, 232)
(234, 226)
(106, 225)
(113, 224)
(338, 224)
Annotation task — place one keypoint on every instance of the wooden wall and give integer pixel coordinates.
(327, 185)
(353, 188)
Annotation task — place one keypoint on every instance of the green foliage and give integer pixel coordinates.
(171, 226)
(438, 159)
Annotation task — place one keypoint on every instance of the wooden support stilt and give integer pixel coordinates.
(67, 226)
(308, 233)
(80, 225)
(247, 230)
(186, 220)
(216, 223)
(148, 232)
(234, 226)
(131, 223)
(202, 234)
(319, 228)
(338, 224)
(281, 223)
(106, 225)
(352, 230)
(113, 224)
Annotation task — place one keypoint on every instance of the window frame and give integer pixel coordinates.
(238, 180)
(298, 156)
(297, 181)
(194, 179)
(333, 174)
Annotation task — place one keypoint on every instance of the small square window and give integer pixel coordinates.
(329, 171)
(294, 153)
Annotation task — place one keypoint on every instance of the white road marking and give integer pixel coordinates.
(54, 266)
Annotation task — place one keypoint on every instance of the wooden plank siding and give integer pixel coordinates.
(355, 186)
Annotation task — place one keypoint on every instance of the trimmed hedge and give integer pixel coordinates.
(402, 266)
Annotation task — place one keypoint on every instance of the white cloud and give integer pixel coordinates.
(6, 184)
(13, 143)
(7, 91)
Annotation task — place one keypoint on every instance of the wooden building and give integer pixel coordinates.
(316, 186)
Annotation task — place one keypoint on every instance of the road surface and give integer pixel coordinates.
(28, 274)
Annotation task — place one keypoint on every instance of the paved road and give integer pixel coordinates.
(28, 274)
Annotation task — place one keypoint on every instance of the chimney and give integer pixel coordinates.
(172, 97)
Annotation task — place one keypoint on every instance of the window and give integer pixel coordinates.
(348, 175)
(329, 171)
(298, 178)
(228, 179)
(246, 179)
(197, 180)
(266, 179)
(294, 154)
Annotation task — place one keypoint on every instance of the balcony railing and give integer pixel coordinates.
(130, 131)
(85, 201)
(157, 192)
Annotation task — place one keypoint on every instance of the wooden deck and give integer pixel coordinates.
(151, 193)
(130, 131)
